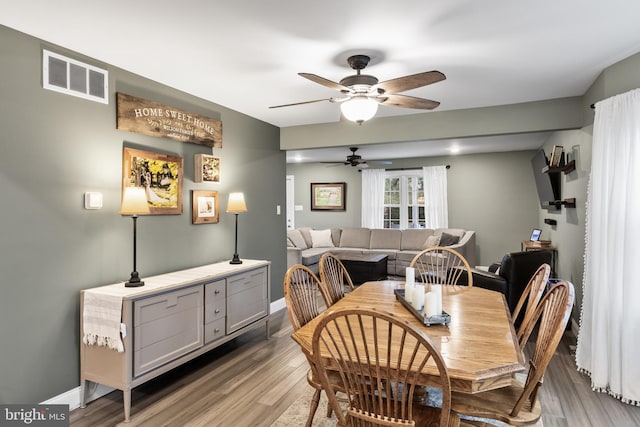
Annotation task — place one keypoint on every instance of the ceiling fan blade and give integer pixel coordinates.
(301, 103)
(413, 81)
(325, 82)
(406, 101)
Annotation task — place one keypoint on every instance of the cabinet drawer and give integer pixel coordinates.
(214, 300)
(214, 330)
(166, 327)
(247, 299)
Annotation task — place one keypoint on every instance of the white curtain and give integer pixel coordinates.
(609, 341)
(435, 197)
(373, 198)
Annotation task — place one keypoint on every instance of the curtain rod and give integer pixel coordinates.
(409, 169)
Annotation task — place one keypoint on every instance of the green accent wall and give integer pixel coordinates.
(56, 147)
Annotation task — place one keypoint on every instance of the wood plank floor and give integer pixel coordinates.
(250, 381)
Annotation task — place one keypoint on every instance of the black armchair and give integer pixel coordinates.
(513, 275)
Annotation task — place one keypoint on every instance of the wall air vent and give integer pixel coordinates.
(66, 75)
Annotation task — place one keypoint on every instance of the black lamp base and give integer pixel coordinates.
(134, 281)
(236, 259)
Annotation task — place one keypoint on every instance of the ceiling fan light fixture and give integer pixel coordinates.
(359, 109)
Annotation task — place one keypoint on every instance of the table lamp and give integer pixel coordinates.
(236, 205)
(134, 203)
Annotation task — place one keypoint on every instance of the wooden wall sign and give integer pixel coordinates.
(155, 119)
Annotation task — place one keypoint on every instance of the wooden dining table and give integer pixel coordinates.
(479, 345)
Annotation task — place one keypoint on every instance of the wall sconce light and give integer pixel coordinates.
(236, 205)
(359, 109)
(134, 203)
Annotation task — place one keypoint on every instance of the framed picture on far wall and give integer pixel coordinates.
(159, 174)
(207, 168)
(328, 196)
(204, 207)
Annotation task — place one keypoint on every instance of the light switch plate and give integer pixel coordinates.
(92, 200)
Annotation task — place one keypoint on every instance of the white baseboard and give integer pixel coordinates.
(277, 305)
(72, 397)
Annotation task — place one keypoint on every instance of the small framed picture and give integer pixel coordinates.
(328, 196)
(207, 168)
(204, 207)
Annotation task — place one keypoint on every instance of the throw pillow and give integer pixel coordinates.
(321, 238)
(431, 242)
(447, 239)
(297, 239)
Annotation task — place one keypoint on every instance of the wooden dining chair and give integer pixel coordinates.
(529, 300)
(333, 279)
(441, 266)
(379, 358)
(302, 298)
(517, 404)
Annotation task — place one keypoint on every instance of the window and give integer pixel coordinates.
(404, 200)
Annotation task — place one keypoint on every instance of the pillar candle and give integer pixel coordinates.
(410, 275)
(430, 304)
(437, 289)
(418, 297)
(408, 291)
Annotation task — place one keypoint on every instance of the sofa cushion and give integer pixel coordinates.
(306, 235)
(321, 238)
(296, 238)
(413, 239)
(290, 243)
(385, 239)
(431, 242)
(406, 256)
(447, 239)
(355, 238)
(452, 231)
(312, 255)
(335, 236)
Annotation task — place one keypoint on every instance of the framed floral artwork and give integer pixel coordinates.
(207, 168)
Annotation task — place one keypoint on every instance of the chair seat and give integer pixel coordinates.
(497, 405)
(423, 416)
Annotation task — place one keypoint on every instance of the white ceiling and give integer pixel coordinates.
(245, 54)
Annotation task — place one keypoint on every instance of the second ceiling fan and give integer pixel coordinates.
(362, 93)
(356, 160)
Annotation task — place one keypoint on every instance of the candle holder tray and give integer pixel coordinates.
(441, 319)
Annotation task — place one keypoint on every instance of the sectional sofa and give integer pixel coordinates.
(305, 245)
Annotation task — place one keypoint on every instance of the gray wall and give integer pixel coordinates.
(493, 194)
(55, 147)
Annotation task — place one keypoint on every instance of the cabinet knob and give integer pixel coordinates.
(217, 311)
(217, 291)
(216, 330)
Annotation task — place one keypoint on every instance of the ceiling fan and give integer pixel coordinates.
(362, 93)
(355, 160)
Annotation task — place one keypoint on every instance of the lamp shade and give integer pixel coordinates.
(236, 203)
(359, 109)
(134, 201)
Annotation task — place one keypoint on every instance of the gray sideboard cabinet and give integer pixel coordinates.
(174, 318)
